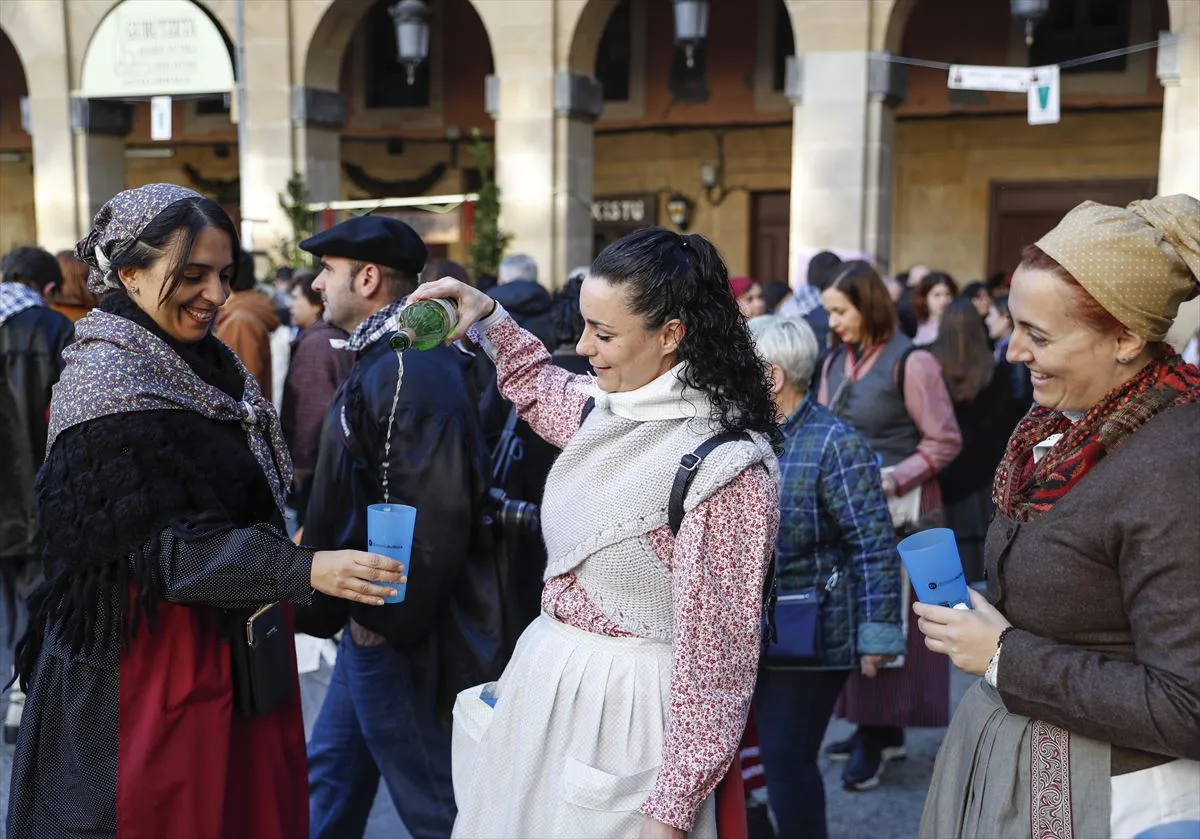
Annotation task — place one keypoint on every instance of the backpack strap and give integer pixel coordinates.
(902, 367)
(507, 451)
(587, 409)
(688, 464)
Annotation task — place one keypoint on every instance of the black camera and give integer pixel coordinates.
(517, 515)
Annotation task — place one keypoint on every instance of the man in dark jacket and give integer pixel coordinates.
(399, 666)
(32, 338)
(517, 290)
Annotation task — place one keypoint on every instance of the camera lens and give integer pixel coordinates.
(517, 515)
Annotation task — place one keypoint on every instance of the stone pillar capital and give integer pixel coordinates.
(887, 79)
(100, 116)
(1170, 59)
(491, 95)
(313, 107)
(846, 76)
(577, 96)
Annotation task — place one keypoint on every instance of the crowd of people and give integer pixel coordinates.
(656, 537)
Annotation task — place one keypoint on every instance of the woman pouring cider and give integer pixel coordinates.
(1087, 719)
(625, 701)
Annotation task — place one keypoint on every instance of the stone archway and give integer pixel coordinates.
(16, 152)
(38, 37)
(365, 132)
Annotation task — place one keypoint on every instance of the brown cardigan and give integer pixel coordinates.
(1104, 592)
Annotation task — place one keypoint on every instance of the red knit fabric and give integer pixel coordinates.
(1025, 490)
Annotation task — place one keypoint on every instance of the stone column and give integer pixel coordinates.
(318, 117)
(1179, 153)
(525, 159)
(578, 103)
(267, 150)
(100, 127)
(53, 170)
(544, 138)
(38, 34)
(843, 127)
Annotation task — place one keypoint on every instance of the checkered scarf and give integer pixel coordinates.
(375, 327)
(16, 298)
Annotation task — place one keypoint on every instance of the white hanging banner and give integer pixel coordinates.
(1043, 95)
(979, 77)
(160, 117)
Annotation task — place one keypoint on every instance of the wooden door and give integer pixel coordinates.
(770, 213)
(1021, 213)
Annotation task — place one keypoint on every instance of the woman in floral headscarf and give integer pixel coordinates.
(160, 510)
(1087, 719)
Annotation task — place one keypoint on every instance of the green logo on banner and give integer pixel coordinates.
(1044, 96)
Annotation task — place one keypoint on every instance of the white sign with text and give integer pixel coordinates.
(148, 48)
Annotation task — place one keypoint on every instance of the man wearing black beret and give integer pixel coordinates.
(399, 666)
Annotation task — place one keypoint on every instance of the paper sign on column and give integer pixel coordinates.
(1043, 95)
(160, 118)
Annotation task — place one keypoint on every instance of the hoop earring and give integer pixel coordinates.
(133, 289)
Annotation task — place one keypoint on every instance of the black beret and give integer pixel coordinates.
(378, 239)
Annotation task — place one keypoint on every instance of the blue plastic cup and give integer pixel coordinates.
(931, 558)
(390, 534)
(1172, 830)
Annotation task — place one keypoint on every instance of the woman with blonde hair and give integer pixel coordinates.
(1087, 719)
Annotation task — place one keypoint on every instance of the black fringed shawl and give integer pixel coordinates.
(112, 484)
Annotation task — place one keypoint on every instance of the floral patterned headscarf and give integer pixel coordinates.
(119, 224)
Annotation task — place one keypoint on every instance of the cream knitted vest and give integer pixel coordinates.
(610, 488)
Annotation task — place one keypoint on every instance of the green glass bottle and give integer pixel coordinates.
(424, 325)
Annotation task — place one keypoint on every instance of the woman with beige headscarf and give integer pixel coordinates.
(1086, 722)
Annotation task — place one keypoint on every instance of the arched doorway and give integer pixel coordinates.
(714, 138)
(17, 219)
(156, 88)
(396, 139)
(974, 181)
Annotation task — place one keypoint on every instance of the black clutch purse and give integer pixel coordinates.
(262, 660)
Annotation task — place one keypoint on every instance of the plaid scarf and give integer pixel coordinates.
(16, 298)
(1026, 490)
(116, 366)
(375, 327)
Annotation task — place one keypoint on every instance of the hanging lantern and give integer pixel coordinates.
(412, 34)
(691, 26)
(1030, 11)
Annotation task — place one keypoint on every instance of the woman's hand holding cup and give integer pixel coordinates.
(473, 304)
(351, 575)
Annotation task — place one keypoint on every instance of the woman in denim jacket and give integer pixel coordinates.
(836, 534)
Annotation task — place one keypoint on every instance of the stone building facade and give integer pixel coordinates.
(793, 131)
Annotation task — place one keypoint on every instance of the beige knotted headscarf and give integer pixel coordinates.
(1139, 263)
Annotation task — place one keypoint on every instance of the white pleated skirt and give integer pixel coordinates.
(574, 743)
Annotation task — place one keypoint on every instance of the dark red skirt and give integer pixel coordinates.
(188, 765)
(916, 695)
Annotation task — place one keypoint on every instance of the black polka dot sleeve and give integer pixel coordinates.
(229, 567)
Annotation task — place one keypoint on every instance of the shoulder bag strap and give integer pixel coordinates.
(587, 409)
(688, 464)
(508, 450)
(901, 369)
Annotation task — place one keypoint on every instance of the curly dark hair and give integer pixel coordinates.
(672, 276)
(568, 322)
